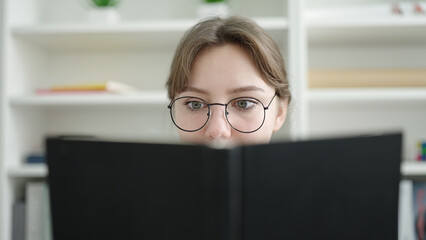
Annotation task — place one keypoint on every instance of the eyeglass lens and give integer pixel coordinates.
(243, 114)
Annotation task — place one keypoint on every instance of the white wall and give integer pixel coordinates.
(1, 117)
(1, 74)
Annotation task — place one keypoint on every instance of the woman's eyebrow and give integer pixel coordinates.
(245, 89)
(232, 91)
(194, 89)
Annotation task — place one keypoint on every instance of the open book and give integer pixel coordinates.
(341, 188)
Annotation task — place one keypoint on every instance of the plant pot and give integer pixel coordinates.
(104, 15)
(213, 9)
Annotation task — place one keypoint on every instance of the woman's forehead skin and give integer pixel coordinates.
(226, 70)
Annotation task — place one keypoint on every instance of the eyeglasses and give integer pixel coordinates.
(244, 114)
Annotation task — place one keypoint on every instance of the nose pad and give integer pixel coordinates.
(209, 114)
(226, 113)
(221, 114)
(217, 125)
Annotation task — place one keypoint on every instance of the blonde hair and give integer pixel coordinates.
(208, 33)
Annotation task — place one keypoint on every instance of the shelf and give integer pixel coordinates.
(129, 35)
(412, 168)
(28, 171)
(367, 30)
(367, 95)
(96, 99)
(39, 170)
(146, 34)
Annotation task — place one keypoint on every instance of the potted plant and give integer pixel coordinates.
(210, 8)
(104, 11)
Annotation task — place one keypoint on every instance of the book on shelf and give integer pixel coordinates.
(37, 223)
(406, 217)
(18, 220)
(364, 78)
(336, 188)
(94, 87)
(419, 209)
(35, 158)
(421, 151)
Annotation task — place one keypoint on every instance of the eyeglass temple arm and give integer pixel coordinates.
(267, 107)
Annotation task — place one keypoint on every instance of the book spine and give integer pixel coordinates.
(37, 214)
(210, 195)
(108, 86)
(46, 217)
(18, 220)
(345, 78)
(82, 91)
(405, 219)
(36, 158)
(234, 190)
(223, 194)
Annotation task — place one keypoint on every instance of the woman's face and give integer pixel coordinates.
(220, 74)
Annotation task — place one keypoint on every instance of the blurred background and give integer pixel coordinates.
(98, 68)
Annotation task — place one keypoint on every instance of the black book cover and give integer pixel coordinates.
(327, 189)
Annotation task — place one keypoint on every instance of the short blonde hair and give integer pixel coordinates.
(208, 33)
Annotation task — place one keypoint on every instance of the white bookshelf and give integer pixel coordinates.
(50, 42)
(363, 35)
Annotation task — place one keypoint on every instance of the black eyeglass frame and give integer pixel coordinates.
(226, 111)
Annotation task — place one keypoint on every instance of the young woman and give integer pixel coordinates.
(227, 84)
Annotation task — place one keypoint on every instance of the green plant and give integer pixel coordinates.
(213, 1)
(105, 3)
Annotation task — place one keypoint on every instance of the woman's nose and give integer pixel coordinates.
(217, 126)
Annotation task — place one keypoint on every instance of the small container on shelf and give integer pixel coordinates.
(421, 151)
(209, 8)
(104, 12)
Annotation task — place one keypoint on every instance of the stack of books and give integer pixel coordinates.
(365, 78)
(421, 151)
(96, 87)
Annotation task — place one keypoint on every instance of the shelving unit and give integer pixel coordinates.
(50, 42)
(141, 34)
(363, 36)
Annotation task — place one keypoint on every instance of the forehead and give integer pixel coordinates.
(225, 67)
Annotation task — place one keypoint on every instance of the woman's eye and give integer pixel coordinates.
(195, 105)
(245, 104)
